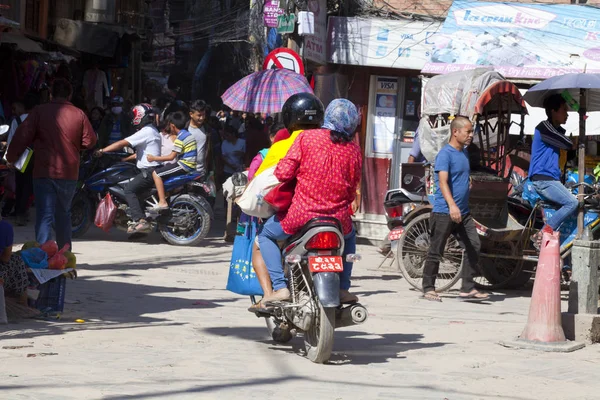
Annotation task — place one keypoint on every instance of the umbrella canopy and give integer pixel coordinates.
(573, 83)
(265, 91)
(8, 23)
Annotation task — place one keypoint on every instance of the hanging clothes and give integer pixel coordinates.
(96, 86)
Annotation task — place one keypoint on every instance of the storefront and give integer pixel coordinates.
(380, 62)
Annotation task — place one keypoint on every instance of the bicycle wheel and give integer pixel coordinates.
(498, 272)
(412, 253)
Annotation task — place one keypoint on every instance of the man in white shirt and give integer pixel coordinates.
(146, 141)
(198, 114)
(23, 180)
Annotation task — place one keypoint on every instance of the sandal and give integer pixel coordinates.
(432, 296)
(474, 296)
(158, 208)
(139, 227)
(536, 238)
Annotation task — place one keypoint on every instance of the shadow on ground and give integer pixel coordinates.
(350, 347)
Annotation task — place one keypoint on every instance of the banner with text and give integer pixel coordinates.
(381, 43)
(535, 41)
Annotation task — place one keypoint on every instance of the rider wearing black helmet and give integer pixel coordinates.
(146, 141)
(300, 112)
(326, 164)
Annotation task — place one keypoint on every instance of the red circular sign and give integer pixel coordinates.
(284, 58)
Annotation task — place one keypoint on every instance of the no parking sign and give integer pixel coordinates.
(286, 59)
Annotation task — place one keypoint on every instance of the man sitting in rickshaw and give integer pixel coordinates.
(544, 171)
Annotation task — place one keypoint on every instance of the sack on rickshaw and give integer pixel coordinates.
(432, 139)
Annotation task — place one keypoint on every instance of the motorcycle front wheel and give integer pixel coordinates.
(318, 340)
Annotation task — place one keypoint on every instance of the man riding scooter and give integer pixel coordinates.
(146, 141)
(544, 171)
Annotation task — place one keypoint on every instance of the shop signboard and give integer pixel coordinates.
(386, 106)
(315, 46)
(406, 44)
(271, 12)
(533, 41)
(286, 24)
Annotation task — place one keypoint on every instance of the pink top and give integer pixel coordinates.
(328, 174)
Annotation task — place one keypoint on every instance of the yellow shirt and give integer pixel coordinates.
(277, 152)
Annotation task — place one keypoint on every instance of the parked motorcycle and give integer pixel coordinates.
(185, 223)
(313, 261)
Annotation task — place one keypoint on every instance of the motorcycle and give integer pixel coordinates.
(185, 223)
(313, 261)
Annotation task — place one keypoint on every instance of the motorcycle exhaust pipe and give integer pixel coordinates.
(351, 315)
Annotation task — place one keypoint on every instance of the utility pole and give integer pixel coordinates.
(256, 34)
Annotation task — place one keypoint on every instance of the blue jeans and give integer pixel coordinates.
(53, 209)
(272, 232)
(555, 192)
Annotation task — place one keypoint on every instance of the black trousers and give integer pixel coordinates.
(441, 227)
(24, 190)
(143, 181)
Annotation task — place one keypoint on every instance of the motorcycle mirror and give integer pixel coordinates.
(4, 129)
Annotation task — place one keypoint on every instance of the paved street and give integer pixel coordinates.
(159, 325)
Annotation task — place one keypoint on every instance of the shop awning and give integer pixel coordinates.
(375, 42)
(22, 43)
(532, 41)
(86, 37)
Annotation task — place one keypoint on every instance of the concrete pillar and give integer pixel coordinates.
(583, 291)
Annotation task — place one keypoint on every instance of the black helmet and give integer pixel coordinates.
(142, 115)
(303, 111)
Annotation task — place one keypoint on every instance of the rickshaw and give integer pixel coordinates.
(507, 256)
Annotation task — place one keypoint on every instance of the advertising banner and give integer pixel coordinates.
(531, 41)
(375, 42)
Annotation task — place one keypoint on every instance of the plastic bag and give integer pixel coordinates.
(59, 260)
(35, 258)
(105, 213)
(50, 247)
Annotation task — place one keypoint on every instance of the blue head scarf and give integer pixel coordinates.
(341, 116)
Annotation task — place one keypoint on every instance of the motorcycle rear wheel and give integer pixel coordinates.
(413, 246)
(186, 203)
(318, 340)
(82, 214)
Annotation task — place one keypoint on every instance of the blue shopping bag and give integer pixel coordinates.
(242, 278)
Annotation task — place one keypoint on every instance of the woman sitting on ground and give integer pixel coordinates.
(12, 268)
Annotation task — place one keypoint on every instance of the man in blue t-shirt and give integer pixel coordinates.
(544, 172)
(450, 214)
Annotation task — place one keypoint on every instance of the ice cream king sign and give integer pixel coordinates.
(519, 40)
(503, 16)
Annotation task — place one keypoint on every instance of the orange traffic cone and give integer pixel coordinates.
(544, 326)
(544, 323)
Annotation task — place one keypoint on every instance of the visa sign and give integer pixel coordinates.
(503, 16)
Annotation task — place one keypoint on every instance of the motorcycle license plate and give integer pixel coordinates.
(326, 264)
(396, 233)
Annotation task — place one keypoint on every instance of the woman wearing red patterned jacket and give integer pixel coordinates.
(327, 164)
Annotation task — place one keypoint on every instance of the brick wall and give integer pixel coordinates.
(439, 8)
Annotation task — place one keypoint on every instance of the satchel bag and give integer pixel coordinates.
(252, 201)
(242, 278)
